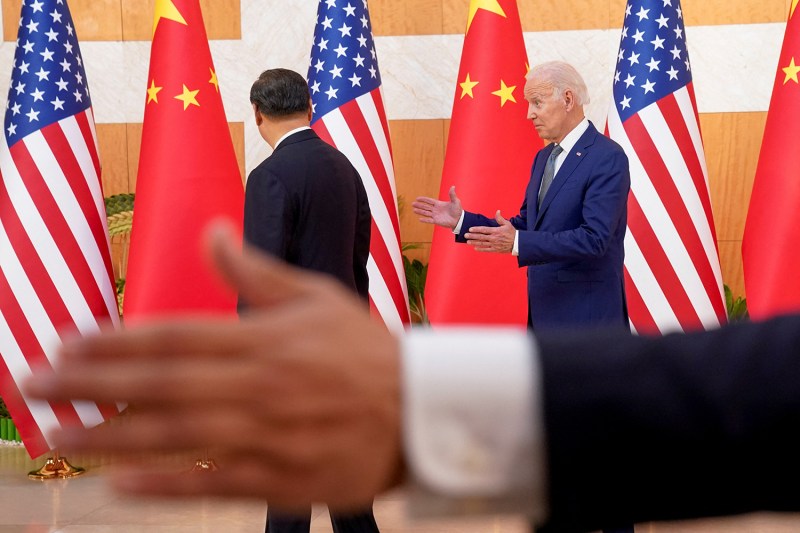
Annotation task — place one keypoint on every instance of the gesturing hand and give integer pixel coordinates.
(498, 240)
(299, 401)
(441, 213)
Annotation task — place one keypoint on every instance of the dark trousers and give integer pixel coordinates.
(301, 523)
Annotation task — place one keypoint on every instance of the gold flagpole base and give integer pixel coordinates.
(205, 465)
(56, 468)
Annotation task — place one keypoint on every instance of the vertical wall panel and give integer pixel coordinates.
(95, 20)
(732, 143)
(222, 19)
(112, 140)
(418, 147)
(551, 15)
(409, 17)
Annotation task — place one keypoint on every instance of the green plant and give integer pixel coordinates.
(737, 307)
(119, 210)
(4, 410)
(416, 275)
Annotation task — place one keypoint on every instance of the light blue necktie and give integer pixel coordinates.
(549, 172)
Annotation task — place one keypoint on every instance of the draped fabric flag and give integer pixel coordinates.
(349, 114)
(769, 248)
(672, 272)
(188, 174)
(490, 150)
(55, 262)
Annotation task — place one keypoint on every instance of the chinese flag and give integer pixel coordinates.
(770, 250)
(188, 174)
(489, 154)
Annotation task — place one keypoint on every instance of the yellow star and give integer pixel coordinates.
(188, 98)
(791, 72)
(505, 93)
(466, 87)
(214, 81)
(488, 5)
(165, 9)
(794, 5)
(152, 92)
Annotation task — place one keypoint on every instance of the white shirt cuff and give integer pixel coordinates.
(473, 422)
(457, 229)
(515, 250)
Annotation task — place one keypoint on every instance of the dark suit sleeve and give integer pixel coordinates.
(642, 429)
(269, 215)
(604, 208)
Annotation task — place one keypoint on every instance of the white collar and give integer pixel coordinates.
(569, 141)
(288, 133)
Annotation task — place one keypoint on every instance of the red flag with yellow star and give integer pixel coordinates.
(188, 174)
(490, 149)
(770, 250)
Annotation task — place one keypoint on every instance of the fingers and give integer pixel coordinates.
(146, 381)
(191, 338)
(480, 233)
(499, 218)
(260, 280)
(423, 207)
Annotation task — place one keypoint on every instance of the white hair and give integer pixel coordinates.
(564, 77)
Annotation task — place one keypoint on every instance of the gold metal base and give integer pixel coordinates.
(205, 465)
(56, 468)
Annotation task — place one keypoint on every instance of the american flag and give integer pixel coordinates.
(672, 270)
(348, 113)
(55, 264)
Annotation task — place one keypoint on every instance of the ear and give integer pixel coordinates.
(569, 100)
(259, 118)
(310, 110)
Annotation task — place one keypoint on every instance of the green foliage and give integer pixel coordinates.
(119, 203)
(4, 410)
(416, 275)
(737, 307)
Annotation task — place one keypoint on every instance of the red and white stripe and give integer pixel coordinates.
(55, 266)
(359, 130)
(672, 269)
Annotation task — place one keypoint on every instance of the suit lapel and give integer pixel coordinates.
(567, 168)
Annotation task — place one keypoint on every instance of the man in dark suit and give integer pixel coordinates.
(570, 230)
(624, 428)
(306, 204)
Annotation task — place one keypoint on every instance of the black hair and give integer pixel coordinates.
(280, 92)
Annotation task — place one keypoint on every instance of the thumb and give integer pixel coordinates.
(452, 193)
(259, 279)
(499, 218)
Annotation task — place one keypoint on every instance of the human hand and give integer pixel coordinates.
(441, 213)
(498, 240)
(299, 401)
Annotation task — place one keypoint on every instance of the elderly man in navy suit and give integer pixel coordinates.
(570, 230)
(571, 227)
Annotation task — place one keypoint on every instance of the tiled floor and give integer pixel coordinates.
(85, 505)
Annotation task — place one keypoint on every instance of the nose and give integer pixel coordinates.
(531, 112)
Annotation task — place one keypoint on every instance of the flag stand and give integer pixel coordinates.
(56, 467)
(206, 464)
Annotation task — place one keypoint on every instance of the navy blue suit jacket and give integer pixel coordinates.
(644, 428)
(307, 205)
(573, 245)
